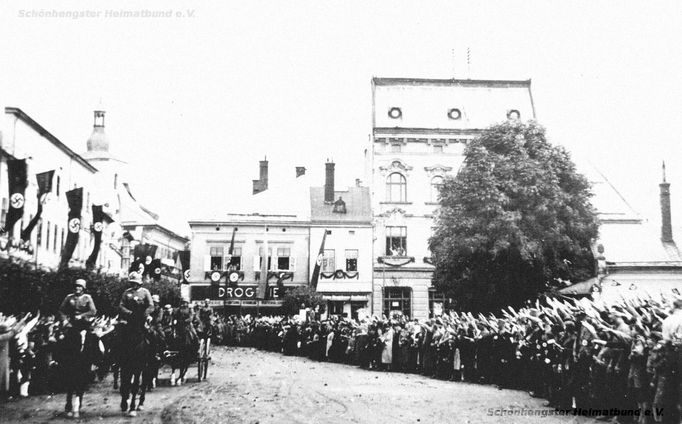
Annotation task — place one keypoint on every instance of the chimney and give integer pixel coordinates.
(300, 170)
(329, 182)
(358, 182)
(666, 223)
(261, 184)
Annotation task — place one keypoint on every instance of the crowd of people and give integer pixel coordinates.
(618, 359)
(622, 359)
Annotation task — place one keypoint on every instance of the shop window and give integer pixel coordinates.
(438, 303)
(328, 263)
(351, 260)
(396, 241)
(260, 258)
(398, 300)
(396, 188)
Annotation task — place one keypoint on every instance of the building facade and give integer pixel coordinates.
(289, 217)
(24, 138)
(420, 128)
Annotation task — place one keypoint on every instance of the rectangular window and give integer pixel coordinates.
(57, 188)
(328, 264)
(54, 243)
(63, 239)
(39, 239)
(47, 236)
(396, 241)
(351, 260)
(397, 300)
(216, 253)
(438, 148)
(236, 260)
(283, 258)
(3, 212)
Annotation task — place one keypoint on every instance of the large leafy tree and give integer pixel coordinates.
(516, 220)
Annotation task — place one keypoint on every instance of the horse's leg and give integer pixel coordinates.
(126, 374)
(68, 408)
(134, 387)
(115, 368)
(77, 402)
(143, 392)
(172, 376)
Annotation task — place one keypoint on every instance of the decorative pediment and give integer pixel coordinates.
(396, 165)
(435, 170)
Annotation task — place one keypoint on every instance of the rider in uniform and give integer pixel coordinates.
(77, 308)
(75, 312)
(136, 302)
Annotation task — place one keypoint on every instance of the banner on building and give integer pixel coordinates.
(97, 228)
(44, 180)
(184, 265)
(75, 200)
(16, 182)
(318, 264)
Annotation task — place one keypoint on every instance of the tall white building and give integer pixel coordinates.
(419, 130)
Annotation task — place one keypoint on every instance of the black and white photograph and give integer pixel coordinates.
(325, 211)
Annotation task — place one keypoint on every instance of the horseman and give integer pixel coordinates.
(77, 308)
(78, 349)
(205, 319)
(135, 306)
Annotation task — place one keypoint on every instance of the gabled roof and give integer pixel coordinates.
(358, 206)
(20, 114)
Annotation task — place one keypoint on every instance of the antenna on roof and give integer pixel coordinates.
(664, 171)
(468, 63)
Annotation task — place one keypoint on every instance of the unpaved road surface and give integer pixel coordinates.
(249, 386)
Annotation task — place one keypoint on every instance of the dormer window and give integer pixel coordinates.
(339, 206)
(454, 114)
(513, 114)
(395, 113)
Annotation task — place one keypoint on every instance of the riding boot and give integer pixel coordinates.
(67, 407)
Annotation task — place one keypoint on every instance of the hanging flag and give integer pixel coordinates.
(16, 173)
(155, 269)
(75, 199)
(318, 264)
(97, 227)
(184, 265)
(44, 180)
(263, 283)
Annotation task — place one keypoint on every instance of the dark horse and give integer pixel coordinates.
(133, 355)
(76, 353)
(185, 346)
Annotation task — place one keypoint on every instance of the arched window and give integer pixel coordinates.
(396, 188)
(436, 185)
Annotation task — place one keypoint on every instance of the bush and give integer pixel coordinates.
(302, 296)
(25, 288)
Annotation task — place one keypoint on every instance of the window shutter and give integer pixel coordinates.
(292, 264)
(207, 263)
(256, 263)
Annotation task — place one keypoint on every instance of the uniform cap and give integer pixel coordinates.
(135, 277)
(156, 298)
(80, 282)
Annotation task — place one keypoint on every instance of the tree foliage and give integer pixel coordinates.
(25, 288)
(515, 220)
(302, 297)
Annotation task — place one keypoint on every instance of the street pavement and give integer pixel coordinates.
(250, 386)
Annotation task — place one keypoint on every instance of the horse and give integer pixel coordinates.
(185, 345)
(133, 359)
(157, 345)
(76, 352)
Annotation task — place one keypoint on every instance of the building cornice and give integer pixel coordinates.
(424, 131)
(378, 81)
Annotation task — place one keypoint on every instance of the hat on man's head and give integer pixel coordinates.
(156, 298)
(167, 306)
(135, 277)
(80, 282)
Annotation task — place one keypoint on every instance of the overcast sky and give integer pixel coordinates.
(194, 102)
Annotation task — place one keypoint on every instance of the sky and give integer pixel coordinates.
(194, 100)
